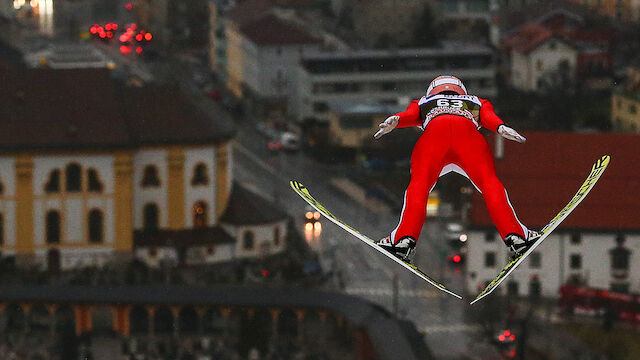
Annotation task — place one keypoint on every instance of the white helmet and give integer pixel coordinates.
(446, 83)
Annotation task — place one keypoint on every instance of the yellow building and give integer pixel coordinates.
(90, 169)
(352, 124)
(625, 103)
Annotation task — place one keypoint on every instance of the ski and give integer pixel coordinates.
(304, 193)
(597, 170)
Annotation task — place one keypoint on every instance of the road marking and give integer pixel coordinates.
(449, 328)
(389, 292)
(270, 169)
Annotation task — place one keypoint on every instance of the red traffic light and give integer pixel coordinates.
(457, 258)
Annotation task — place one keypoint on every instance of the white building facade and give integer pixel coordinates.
(533, 68)
(386, 76)
(603, 260)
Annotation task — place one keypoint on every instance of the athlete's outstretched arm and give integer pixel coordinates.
(409, 117)
(491, 121)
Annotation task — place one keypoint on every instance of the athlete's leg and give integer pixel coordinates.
(474, 157)
(427, 161)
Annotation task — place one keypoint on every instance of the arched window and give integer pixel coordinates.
(248, 240)
(276, 236)
(150, 176)
(74, 178)
(53, 227)
(150, 217)
(200, 175)
(53, 184)
(200, 214)
(96, 226)
(95, 185)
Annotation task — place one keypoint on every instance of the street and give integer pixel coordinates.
(364, 272)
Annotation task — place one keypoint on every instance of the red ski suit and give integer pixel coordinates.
(451, 142)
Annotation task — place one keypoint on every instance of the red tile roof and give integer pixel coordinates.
(542, 175)
(528, 38)
(270, 30)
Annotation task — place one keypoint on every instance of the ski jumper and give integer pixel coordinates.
(451, 142)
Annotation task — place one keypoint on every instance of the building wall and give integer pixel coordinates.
(352, 136)
(205, 193)
(264, 242)
(235, 72)
(143, 195)
(73, 207)
(625, 112)
(626, 10)
(528, 69)
(25, 200)
(274, 75)
(8, 203)
(314, 89)
(555, 267)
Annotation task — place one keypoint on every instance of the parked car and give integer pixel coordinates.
(290, 141)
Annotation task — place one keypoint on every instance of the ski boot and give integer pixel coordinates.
(404, 249)
(517, 245)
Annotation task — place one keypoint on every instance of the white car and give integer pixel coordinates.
(290, 141)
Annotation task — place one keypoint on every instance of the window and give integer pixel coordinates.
(535, 260)
(512, 288)
(53, 227)
(535, 287)
(74, 178)
(200, 214)
(95, 226)
(576, 238)
(633, 109)
(489, 259)
(94, 181)
(489, 236)
(575, 261)
(53, 184)
(1, 229)
(539, 65)
(200, 175)
(276, 236)
(1, 188)
(248, 240)
(150, 217)
(150, 176)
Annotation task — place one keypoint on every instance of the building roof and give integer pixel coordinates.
(542, 175)
(246, 207)
(528, 38)
(182, 238)
(249, 10)
(270, 30)
(86, 109)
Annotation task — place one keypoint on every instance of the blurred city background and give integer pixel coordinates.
(146, 148)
